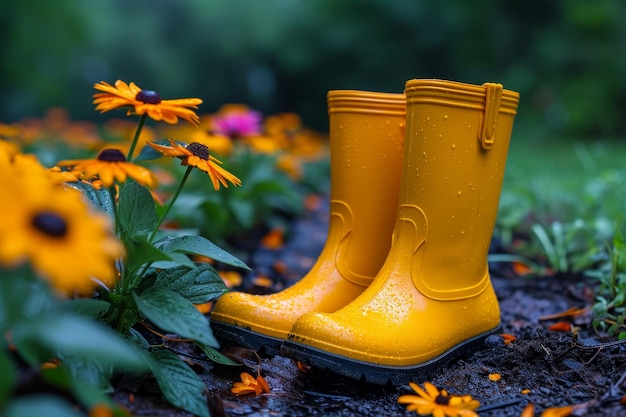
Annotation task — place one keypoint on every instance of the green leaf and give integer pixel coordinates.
(88, 370)
(8, 376)
(141, 252)
(88, 392)
(137, 211)
(199, 285)
(216, 356)
(177, 259)
(76, 336)
(198, 245)
(40, 405)
(89, 307)
(173, 313)
(101, 198)
(243, 212)
(138, 339)
(179, 383)
(22, 295)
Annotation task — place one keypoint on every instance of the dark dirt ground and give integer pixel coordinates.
(555, 368)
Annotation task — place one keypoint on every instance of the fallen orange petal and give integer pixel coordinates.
(280, 267)
(522, 269)
(231, 278)
(570, 312)
(561, 326)
(204, 308)
(274, 239)
(263, 281)
(529, 410)
(303, 367)
(250, 385)
(312, 202)
(558, 411)
(508, 338)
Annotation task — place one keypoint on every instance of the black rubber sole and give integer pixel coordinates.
(241, 336)
(381, 374)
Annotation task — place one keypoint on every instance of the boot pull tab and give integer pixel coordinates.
(492, 109)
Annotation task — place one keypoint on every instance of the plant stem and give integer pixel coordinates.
(113, 192)
(171, 203)
(136, 138)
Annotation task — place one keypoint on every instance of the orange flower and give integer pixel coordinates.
(197, 155)
(145, 102)
(250, 385)
(111, 165)
(431, 400)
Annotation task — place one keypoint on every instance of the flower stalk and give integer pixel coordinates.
(131, 150)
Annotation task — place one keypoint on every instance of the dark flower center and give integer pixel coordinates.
(199, 150)
(442, 400)
(50, 224)
(111, 155)
(148, 96)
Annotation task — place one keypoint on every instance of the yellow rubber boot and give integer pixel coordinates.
(366, 149)
(432, 299)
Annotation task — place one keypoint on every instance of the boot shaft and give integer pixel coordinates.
(456, 145)
(366, 150)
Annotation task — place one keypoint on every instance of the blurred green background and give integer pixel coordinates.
(566, 58)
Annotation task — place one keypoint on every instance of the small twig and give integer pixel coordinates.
(621, 380)
(498, 405)
(161, 335)
(188, 355)
(594, 356)
(602, 345)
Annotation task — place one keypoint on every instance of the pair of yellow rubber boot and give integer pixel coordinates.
(402, 284)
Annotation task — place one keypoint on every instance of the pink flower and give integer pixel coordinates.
(236, 121)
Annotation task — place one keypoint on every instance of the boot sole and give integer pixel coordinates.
(246, 338)
(381, 374)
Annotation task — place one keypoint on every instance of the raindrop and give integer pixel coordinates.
(445, 116)
(459, 192)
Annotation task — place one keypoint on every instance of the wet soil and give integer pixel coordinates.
(542, 366)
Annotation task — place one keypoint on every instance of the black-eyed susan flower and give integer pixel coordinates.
(111, 165)
(54, 229)
(432, 401)
(8, 149)
(145, 102)
(250, 385)
(220, 144)
(197, 155)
